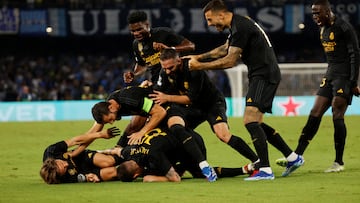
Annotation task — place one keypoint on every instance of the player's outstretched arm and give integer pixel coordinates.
(95, 128)
(84, 140)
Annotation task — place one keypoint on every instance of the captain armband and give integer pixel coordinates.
(147, 104)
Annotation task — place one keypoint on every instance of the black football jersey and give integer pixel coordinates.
(146, 55)
(341, 47)
(258, 54)
(133, 100)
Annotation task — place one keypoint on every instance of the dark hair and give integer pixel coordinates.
(136, 16)
(322, 2)
(48, 171)
(168, 53)
(99, 110)
(215, 5)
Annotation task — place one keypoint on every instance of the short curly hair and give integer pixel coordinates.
(136, 16)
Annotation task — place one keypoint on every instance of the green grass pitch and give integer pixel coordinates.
(22, 145)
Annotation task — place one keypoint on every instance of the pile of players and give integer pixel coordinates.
(160, 142)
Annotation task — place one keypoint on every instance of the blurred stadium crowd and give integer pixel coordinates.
(70, 77)
(82, 77)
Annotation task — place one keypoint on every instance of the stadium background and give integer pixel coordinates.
(89, 47)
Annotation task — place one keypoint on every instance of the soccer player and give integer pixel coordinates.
(79, 165)
(339, 84)
(248, 41)
(129, 101)
(194, 99)
(148, 42)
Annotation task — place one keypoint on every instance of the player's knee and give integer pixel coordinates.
(222, 132)
(338, 113)
(251, 115)
(176, 129)
(174, 120)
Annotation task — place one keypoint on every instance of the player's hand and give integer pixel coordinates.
(91, 177)
(128, 77)
(356, 91)
(146, 83)
(135, 138)
(113, 131)
(159, 97)
(193, 62)
(158, 46)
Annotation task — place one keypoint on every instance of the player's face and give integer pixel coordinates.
(139, 30)
(109, 118)
(61, 166)
(320, 15)
(170, 66)
(215, 19)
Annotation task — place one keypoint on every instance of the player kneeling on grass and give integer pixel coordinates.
(61, 165)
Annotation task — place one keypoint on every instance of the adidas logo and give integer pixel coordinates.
(340, 91)
(249, 100)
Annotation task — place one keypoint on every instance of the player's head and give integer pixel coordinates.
(321, 12)
(215, 14)
(170, 60)
(139, 25)
(128, 171)
(102, 114)
(52, 169)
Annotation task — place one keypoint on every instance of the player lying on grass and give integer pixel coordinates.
(161, 158)
(61, 165)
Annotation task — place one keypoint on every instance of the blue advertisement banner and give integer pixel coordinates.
(81, 110)
(46, 111)
(33, 22)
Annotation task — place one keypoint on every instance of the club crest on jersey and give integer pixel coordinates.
(89, 155)
(72, 171)
(331, 36)
(186, 85)
(140, 48)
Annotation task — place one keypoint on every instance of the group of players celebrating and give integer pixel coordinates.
(160, 142)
